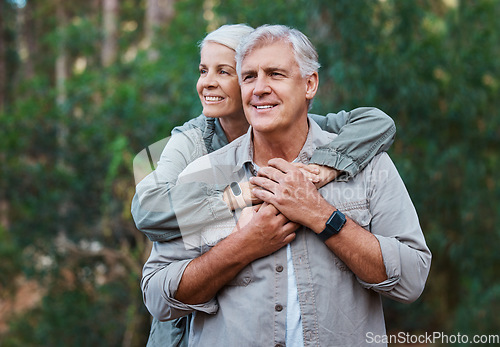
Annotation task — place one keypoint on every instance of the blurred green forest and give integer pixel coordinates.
(86, 85)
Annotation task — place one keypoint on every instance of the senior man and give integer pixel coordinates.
(307, 267)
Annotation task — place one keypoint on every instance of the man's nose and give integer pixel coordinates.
(261, 86)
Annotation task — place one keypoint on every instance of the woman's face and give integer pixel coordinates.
(217, 85)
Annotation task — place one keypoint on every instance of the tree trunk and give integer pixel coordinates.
(61, 72)
(110, 32)
(27, 43)
(3, 70)
(159, 13)
(4, 204)
(62, 58)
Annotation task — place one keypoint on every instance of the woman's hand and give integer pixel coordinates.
(320, 175)
(243, 199)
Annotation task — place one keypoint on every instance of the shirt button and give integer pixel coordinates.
(279, 268)
(278, 308)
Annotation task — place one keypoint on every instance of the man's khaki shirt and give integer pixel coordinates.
(337, 308)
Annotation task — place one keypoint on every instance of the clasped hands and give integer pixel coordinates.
(319, 175)
(284, 196)
(290, 187)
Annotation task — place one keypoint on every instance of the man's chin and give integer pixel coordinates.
(264, 128)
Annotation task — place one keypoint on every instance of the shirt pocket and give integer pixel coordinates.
(358, 211)
(244, 278)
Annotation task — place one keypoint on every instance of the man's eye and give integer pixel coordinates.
(247, 78)
(224, 72)
(203, 71)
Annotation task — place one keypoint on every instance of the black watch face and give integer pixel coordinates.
(235, 188)
(336, 221)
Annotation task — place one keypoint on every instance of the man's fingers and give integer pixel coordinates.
(257, 207)
(270, 173)
(291, 226)
(289, 238)
(264, 183)
(271, 209)
(263, 195)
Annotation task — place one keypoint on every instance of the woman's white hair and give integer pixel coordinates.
(304, 51)
(228, 35)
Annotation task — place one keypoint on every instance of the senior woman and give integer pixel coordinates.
(164, 210)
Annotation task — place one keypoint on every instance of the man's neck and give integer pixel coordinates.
(282, 144)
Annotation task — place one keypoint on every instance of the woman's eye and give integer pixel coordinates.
(224, 72)
(203, 71)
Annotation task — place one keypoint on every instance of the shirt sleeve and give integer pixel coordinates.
(395, 224)
(161, 276)
(362, 133)
(159, 200)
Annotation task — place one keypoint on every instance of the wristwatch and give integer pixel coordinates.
(238, 198)
(333, 225)
(235, 188)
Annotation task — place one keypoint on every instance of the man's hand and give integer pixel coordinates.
(260, 231)
(320, 175)
(286, 187)
(266, 229)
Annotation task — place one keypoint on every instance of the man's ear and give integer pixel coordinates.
(312, 85)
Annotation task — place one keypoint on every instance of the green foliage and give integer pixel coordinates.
(11, 262)
(74, 317)
(66, 167)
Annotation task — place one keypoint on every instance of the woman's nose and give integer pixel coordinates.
(210, 81)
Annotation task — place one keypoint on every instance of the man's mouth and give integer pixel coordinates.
(263, 107)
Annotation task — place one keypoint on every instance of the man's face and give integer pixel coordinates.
(274, 93)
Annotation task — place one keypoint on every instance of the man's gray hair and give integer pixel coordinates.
(304, 51)
(228, 35)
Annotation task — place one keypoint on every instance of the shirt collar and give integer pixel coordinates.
(315, 138)
(214, 135)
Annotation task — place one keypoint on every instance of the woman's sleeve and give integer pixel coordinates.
(362, 133)
(159, 200)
